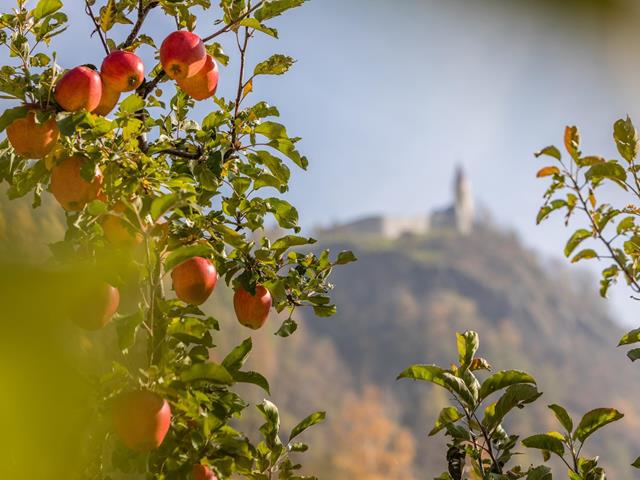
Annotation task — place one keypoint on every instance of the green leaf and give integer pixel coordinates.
(287, 328)
(468, 343)
(611, 170)
(186, 252)
(236, 358)
(10, 115)
(131, 104)
(551, 442)
(274, 8)
(255, 24)
(345, 257)
(626, 137)
(447, 416)
(275, 65)
(46, 7)
(626, 224)
(634, 354)
(563, 417)
(163, 204)
(127, 327)
(308, 422)
(515, 396)
(209, 371)
(441, 377)
(540, 473)
(636, 463)
(284, 213)
(585, 254)
(503, 379)
(272, 130)
(578, 237)
(630, 337)
(549, 151)
(284, 243)
(253, 378)
(594, 420)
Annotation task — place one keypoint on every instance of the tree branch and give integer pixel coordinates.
(180, 153)
(96, 24)
(142, 15)
(228, 27)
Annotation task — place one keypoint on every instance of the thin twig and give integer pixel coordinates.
(143, 11)
(180, 153)
(96, 24)
(229, 26)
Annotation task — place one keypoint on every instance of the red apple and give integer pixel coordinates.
(204, 83)
(79, 88)
(182, 54)
(32, 140)
(96, 307)
(194, 280)
(68, 187)
(202, 472)
(122, 71)
(108, 100)
(141, 419)
(252, 310)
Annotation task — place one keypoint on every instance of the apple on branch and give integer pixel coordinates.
(96, 307)
(69, 188)
(204, 83)
(30, 139)
(194, 280)
(252, 311)
(182, 54)
(80, 88)
(122, 71)
(141, 419)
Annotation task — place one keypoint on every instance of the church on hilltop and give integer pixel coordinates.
(459, 216)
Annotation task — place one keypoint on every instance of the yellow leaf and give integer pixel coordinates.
(248, 88)
(108, 16)
(572, 140)
(592, 199)
(546, 171)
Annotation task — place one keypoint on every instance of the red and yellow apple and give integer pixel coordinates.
(204, 83)
(30, 139)
(108, 100)
(252, 311)
(141, 419)
(69, 188)
(194, 280)
(98, 304)
(122, 71)
(79, 88)
(203, 472)
(182, 54)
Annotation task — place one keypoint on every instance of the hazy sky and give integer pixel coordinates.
(389, 95)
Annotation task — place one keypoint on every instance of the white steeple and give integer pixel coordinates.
(464, 206)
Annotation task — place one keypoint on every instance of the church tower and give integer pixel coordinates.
(464, 206)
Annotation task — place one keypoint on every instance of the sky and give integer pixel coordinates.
(389, 96)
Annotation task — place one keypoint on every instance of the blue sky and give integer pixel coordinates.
(390, 95)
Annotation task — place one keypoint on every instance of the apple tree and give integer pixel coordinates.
(156, 203)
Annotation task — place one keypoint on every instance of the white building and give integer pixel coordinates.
(460, 215)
